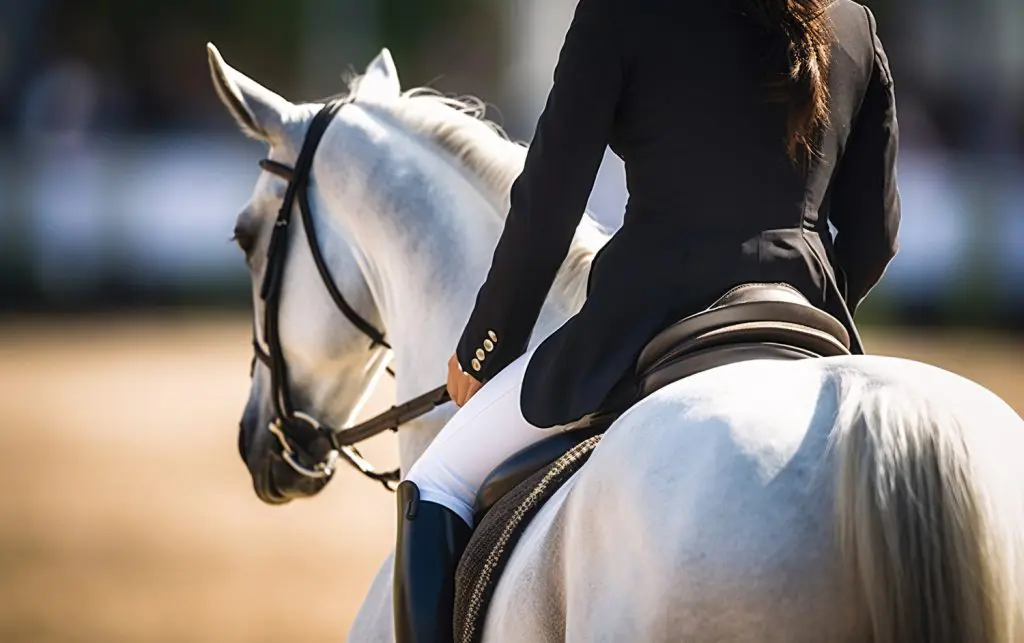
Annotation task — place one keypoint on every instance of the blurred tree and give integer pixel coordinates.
(155, 49)
(407, 26)
(453, 45)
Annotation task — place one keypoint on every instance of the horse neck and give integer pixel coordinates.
(423, 233)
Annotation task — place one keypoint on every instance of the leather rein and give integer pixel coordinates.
(313, 448)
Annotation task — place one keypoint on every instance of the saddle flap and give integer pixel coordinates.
(528, 461)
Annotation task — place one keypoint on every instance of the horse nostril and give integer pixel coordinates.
(243, 441)
(247, 429)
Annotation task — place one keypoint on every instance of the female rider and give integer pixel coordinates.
(745, 127)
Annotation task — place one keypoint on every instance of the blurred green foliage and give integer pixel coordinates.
(264, 33)
(406, 25)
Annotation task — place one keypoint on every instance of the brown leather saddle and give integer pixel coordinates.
(751, 321)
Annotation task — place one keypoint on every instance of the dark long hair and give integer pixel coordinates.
(801, 33)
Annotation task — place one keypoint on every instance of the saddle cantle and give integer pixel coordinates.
(751, 321)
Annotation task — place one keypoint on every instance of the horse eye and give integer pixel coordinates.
(245, 239)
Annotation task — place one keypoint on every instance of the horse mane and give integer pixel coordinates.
(459, 127)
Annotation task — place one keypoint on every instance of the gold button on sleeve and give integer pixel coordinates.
(493, 335)
(475, 364)
(480, 354)
(488, 345)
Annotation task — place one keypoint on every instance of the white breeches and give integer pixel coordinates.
(489, 428)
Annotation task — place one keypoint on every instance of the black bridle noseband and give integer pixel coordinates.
(310, 447)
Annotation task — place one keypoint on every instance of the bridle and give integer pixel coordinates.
(309, 446)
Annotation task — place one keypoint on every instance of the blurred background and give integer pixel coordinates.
(125, 514)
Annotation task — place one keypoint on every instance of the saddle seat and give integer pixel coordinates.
(751, 321)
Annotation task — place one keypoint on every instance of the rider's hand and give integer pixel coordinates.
(461, 386)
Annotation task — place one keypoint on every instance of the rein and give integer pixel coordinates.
(310, 447)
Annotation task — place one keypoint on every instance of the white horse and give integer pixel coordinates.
(843, 499)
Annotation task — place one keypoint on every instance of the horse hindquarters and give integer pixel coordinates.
(930, 513)
(707, 514)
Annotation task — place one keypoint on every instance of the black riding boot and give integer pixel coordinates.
(431, 539)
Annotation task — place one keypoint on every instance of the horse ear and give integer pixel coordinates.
(260, 112)
(381, 77)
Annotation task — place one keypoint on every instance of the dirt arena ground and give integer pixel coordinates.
(126, 515)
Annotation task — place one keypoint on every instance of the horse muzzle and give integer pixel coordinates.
(276, 482)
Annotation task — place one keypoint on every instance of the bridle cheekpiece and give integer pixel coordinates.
(310, 447)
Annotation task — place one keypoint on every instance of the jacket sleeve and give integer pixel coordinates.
(865, 201)
(549, 197)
